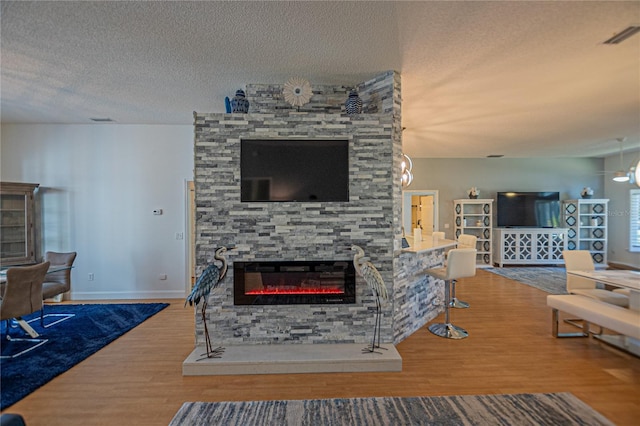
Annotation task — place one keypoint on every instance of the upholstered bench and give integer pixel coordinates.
(621, 320)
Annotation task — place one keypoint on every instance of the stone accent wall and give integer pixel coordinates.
(293, 230)
(305, 231)
(379, 96)
(268, 98)
(419, 297)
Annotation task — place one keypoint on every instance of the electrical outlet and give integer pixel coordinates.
(162, 276)
(179, 236)
(91, 277)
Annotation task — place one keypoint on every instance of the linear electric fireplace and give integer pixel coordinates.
(294, 282)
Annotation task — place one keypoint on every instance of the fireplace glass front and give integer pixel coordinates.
(294, 282)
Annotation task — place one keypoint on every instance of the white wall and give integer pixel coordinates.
(619, 207)
(98, 187)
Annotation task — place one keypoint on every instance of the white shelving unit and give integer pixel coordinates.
(586, 220)
(475, 217)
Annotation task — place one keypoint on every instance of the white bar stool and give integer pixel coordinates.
(461, 263)
(437, 235)
(464, 241)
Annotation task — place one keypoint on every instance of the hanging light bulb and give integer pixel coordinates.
(406, 166)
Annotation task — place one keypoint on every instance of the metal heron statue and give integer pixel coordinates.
(210, 279)
(373, 278)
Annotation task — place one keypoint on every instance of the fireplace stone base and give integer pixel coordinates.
(295, 358)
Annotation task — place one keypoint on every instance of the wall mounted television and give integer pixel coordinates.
(528, 209)
(302, 170)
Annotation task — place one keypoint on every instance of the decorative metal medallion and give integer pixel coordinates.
(458, 208)
(571, 221)
(297, 91)
(598, 233)
(572, 233)
(597, 245)
(571, 245)
(598, 208)
(571, 208)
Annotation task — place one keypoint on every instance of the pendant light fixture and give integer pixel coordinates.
(406, 166)
(621, 175)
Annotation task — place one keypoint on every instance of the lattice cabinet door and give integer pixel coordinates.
(529, 245)
(587, 222)
(475, 217)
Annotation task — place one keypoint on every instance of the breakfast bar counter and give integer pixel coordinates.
(417, 296)
(427, 244)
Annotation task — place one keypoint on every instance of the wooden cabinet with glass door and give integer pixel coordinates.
(17, 234)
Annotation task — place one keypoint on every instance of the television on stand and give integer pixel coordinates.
(528, 210)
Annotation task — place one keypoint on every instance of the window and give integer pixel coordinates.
(634, 221)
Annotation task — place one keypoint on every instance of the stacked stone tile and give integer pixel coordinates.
(302, 231)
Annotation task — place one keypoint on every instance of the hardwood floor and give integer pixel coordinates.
(137, 379)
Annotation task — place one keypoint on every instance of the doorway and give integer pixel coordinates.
(422, 213)
(420, 210)
(191, 236)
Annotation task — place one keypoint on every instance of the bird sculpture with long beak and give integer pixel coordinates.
(209, 280)
(373, 278)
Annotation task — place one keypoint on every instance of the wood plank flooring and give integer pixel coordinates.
(137, 379)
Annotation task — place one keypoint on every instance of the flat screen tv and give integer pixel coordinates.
(294, 170)
(528, 209)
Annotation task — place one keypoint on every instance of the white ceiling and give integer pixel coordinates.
(523, 79)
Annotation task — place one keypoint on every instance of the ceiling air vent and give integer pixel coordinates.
(102, 120)
(623, 35)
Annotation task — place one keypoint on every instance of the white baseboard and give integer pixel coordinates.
(107, 295)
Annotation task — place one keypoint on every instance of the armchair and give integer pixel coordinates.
(580, 260)
(23, 296)
(58, 283)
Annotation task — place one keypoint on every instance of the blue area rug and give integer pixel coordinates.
(518, 409)
(550, 279)
(92, 328)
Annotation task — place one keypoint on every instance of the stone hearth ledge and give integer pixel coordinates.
(293, 358)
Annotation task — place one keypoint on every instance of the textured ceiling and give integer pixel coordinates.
(523, 79)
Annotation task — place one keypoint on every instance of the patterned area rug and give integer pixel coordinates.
(518, 409)
(550, 279)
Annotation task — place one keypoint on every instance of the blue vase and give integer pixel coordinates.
(239, 103)
(353, 105)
